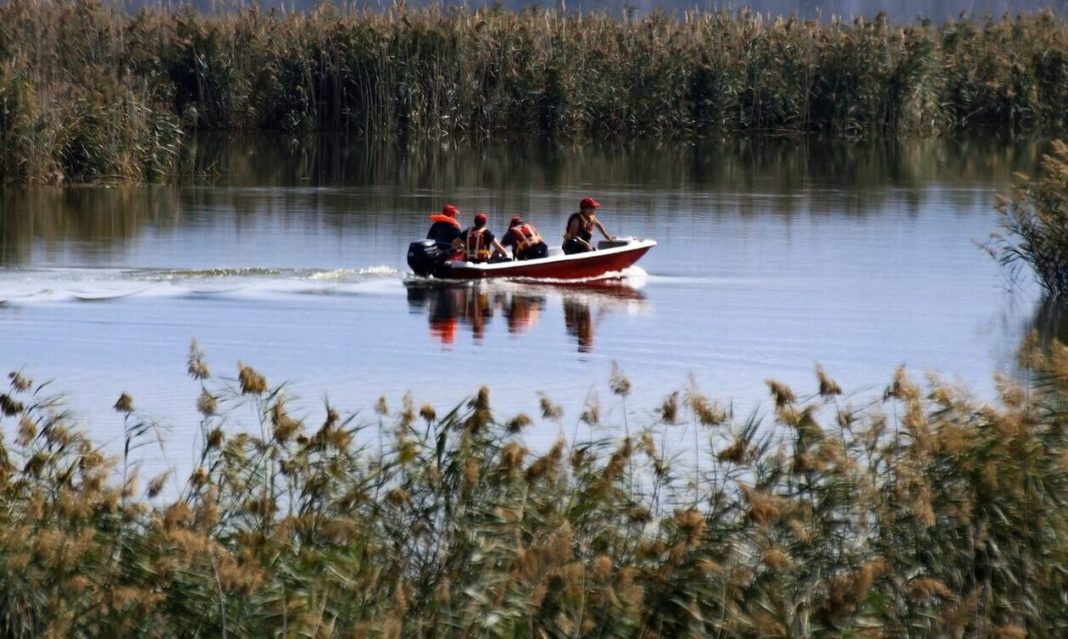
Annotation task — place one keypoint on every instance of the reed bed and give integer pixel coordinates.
(1034, 225)
(89, 92)
(921, 512)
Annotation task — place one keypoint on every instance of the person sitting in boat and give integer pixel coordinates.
(525, 240)
(479, 243)
(445, 229)
(578, 236)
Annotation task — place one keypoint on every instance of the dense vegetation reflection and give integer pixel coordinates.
(260, 176)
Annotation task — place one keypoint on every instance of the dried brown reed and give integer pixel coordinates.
(944, 519)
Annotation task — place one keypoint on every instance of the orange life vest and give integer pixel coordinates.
(477, 251)
(524, 236)
(438, 217)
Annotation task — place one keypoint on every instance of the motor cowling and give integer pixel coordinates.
(426, 257)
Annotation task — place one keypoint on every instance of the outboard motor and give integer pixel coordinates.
(426, 257)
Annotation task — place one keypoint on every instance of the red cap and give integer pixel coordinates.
(480, 218)
(515, 220)
(450, 211)
(589, 203)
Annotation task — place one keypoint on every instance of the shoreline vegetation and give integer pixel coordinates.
(91, 93)
(924, 511)
(1034, 225)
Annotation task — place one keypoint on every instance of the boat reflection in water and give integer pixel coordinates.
(450, 306)
(578, 319)
(473, 305)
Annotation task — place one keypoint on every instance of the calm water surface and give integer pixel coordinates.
(289, 256)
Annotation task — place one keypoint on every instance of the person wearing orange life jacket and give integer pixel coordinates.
(479, 243)
(578, 235)
(526, 242)
(445, 229)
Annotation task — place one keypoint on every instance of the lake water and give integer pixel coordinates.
(289, 255)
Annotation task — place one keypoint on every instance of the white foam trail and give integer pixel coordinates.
(36, 286)
(39, 286)
(347, 274)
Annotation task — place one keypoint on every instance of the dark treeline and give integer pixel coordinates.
(88, 91)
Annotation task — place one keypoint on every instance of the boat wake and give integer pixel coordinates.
(633, 277)
(38, 286)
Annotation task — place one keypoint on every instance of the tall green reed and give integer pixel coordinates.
(1034, 225)
(88, 92)
(76, 102)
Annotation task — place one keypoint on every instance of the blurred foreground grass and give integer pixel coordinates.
(924, 512)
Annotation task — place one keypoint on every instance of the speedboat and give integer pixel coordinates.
(429, 259)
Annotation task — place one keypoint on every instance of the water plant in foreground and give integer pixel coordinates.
(921, 512)
(1034, 223)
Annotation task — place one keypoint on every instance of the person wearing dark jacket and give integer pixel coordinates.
(578, 236)
(526, 242)
(445, 228)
